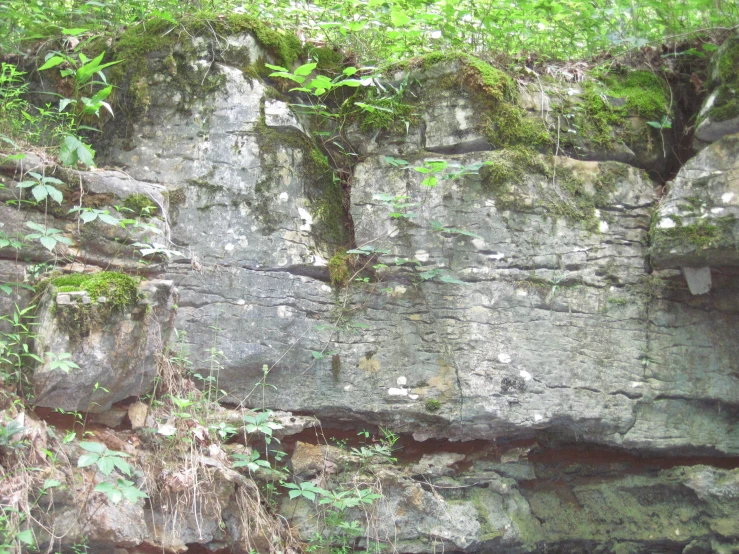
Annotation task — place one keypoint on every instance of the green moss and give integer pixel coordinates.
(487, 530)
(78, 320)
(120, 289)
(141, 205)
(322, 186)
(328, 59)
(133, 47)
(703, 234)
(339, 269)
(508, 125)
(504, 175)
(432, 405)
(644, 92)
(514, 177)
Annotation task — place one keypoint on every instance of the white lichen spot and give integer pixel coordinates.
(603, 226)
(497, 256)
(284, 197)
(422, 255)
(397, 392)
(240, 302)
(306, 218)
(635, 384)
(717, 210)
(525, 375)
(478, 243)
(666, 223)
(521, 292)
(402, 381)
(413, 396)
(325, 288)
(399, 290)
(538, 417)
(283, 312)
(727, 197)
(229, 247)
(319, 261)
(348, 388)
(504, 358)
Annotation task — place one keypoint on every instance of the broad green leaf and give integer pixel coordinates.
(74, 32)
(95, 447)
(87, 460)
(48, 242)
(53, 61)
(106, 464)
(26, 537)
(305, 69)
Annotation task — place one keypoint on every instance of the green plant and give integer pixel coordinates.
(121, 489)
(106, 460)
(260, 422)
(43, 187)
(47, 236)
(62, 362)
(432, 405)
(250, 461)
(16, 357)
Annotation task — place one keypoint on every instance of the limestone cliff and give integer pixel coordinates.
(523, 325)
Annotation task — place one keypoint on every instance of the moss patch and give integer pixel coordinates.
(339, 269)
(522, 180)
(120, 289)
(78, 320)
(134, 46)
(703, 234)
(432, 405)
(141, 205)
(646, 95)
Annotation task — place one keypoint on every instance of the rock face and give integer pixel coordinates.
(697, 223)
(503, 299)
(114, 346)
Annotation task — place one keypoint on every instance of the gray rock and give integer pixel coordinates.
(278, 114)
(698, 278)
(115, 350)
(697, 223)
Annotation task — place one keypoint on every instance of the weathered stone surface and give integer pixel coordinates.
(515, 303)
(697, 223)
(115, 348)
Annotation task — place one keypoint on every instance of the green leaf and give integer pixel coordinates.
(122, 465)
(87, 460)
(106, 465)
(50, 484)
(74, 32)
(305, 69)
(277, 68)
(53, 61)
(399, 18)
(26, 537)
(95, 447)
(48, 242)
(111, 491)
